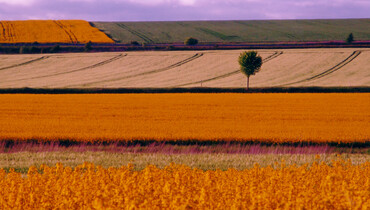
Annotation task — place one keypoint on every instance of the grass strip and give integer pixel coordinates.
(23, 160)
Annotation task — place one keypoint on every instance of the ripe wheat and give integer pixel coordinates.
(181, 117)
(50, 31)
(320, 186)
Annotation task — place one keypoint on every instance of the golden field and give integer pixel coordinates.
(285, 67)
(278, 118)
(319, 186)
(50, 31)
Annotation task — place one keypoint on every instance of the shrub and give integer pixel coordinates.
(135, 43)
(191, 41)
(88, 46)
(350, 38)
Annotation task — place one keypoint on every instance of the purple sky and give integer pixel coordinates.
(157, 10)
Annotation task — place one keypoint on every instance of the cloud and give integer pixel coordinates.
(17, 2)
(158, 10)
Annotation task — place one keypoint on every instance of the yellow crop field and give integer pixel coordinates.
(320, 186)
(335, 117)
(50, 31)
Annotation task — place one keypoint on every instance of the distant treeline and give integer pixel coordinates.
(187, 90)
(37, 48)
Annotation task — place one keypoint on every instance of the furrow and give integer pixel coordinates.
(76, 70)
(25, 63)
(136, 33)
(61, 26)
(329, 71)
(198, 55)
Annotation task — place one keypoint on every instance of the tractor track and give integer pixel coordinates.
(335, 68)
(276, 54)
(76, 70)
(136, 33)
(197, 55)
(71, 36)
(25, 63)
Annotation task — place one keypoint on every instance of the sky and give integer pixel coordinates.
(173, 10)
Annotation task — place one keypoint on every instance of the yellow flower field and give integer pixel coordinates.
(274, 118)
(50, 31)
(319, 186)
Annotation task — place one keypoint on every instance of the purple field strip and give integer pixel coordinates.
(164, 148)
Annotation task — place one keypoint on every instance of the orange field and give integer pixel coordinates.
(50, 31)
(320, 186)
(171, 117)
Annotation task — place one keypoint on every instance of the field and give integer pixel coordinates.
(179, 186)
(184, 150)
(271, 118)
(281, 68)
(237, 31)
(50, 31)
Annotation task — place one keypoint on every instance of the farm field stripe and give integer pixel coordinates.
(276, 54)
(25, 63)
(180, 63)
(338, 66)
(51, 31)
(76, 70)
(136, 33)
(263, 118)
(23, 160)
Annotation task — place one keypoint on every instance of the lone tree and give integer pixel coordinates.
(250, 63)
(191, 41)
(350, 39)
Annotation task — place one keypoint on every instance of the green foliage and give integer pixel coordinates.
(250, 63)
(350, 38)
(55, 49)
(135, 43)
(190, 41)
(88, 46)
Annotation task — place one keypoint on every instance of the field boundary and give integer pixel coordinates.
(276, 54)
(24, 63)
(8, 143)
(180, 63)
(357, 89)
(338, 66)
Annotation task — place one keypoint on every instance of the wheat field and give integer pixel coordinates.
(270, 118)
(293, 67)
(50, 31)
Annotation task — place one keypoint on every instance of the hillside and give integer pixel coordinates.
(282, 68)
(50, 31)
(237, 31)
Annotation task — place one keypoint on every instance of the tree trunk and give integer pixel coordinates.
(247, 82)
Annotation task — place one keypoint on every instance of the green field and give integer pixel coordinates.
(237, 31)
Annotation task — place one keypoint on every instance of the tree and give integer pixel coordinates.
(191, 41)
(88, 46)
(250, 63)
(135, 43)
(350, 38)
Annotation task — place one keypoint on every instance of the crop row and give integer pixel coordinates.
(339, 186)
(50, 31)
(270, 118)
